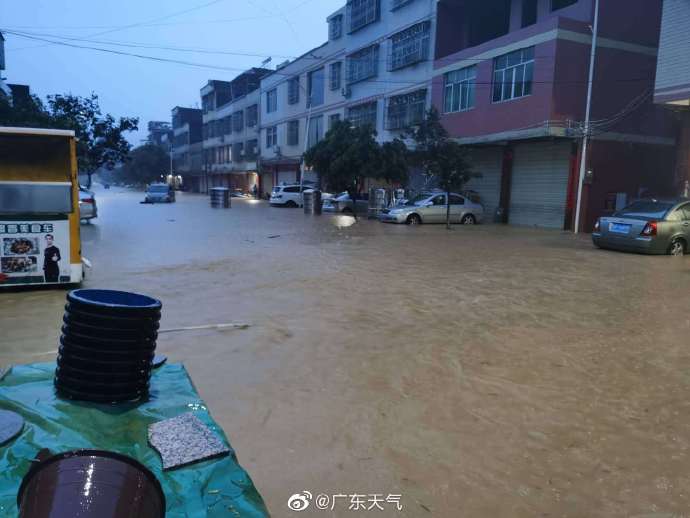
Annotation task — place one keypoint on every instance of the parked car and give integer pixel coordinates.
(646, 226)
(430, 207)
(338, 203)
(87, 204)
(159, 193)
(287, 195)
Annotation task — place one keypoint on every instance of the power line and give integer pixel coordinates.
(287, 75)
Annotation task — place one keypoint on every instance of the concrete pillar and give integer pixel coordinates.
(683, 156)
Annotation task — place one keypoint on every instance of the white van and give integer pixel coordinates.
(287, 195)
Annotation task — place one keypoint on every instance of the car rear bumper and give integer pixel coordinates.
(640, 245)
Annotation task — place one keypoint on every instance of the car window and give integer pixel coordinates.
(439, 200)
(456, 200)
(291, 189)
(676, 215)
(645, 209)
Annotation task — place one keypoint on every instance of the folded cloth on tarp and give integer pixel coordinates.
(213, 488)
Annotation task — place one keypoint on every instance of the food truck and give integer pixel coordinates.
(39, 207)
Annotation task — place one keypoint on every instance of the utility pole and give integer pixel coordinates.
(588, 113)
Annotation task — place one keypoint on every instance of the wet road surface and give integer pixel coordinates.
(486, 371)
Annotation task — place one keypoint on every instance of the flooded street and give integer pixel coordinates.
(487, 371)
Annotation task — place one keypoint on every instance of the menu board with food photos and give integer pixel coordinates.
(34, 252)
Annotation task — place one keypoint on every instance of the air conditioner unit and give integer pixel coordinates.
(347, 92)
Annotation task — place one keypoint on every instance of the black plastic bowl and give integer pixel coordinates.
(105, 355)
(94, 397)
(111, 302)
(109, 343)
(98, 376)
(100, 387)
(110, 321)
(78, 326)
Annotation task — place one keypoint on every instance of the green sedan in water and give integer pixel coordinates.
(647, 226)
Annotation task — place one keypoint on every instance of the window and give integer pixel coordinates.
(315, 130)
(363, 64)
(238, 121)
(399, 3)
(561, 4)
(529, 12)
(513, 75)
(409, 46)
(335, 27)
(291, 189)
(271, 101)
(686, 212)
(336, 72)
(406, 110)
(251, 149)
(238, 151)
(439, 200)
(362, 114)
(456, 200)
(316, 82)
(271, 137)
(293, 133)
(293, 90)
(252, 116)
(332, 119)
(459, 90)
(361, 13)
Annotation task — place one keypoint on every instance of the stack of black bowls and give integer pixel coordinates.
(107, 346)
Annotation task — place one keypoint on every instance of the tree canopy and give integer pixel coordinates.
(145, 165)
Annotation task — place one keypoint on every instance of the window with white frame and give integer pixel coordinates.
(238, 121)
(361, 13)
(513, 75)
(335, 27)
(409, 46)
(271, 101)
(315, 130)
(251, 149)
(293, 133)
(316, 84)
(459, 89)
(252, 116)
(335, 75)
(363, 64)
(271, 137)
(561, 4)
(406, 110)
(362, 114)
(293, 90)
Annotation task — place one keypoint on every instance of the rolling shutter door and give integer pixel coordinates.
(489, 163)
(287, 177)
(540, 184)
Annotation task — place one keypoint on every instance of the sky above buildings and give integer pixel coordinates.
(50, 46)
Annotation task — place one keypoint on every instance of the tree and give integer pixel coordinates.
(101, 141)
(348, 154)
(440, 157)
(145, 165)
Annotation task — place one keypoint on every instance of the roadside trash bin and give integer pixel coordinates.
(107, 346)
(377, 202)
(220, 198)
(311, 201)
(90, 484)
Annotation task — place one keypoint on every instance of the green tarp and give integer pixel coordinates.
(214, 488)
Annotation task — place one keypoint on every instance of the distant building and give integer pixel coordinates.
(672, 88)
(187, 148)
(4, 88)
(230, 114)
(158, 129)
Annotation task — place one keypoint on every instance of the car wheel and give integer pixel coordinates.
(291, 204)
(677, 248)
(414, 219)
(468, 219)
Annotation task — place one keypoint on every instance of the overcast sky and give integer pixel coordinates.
(148, 89)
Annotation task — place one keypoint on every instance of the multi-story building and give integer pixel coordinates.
(187, 148)
(158, 130)
(672, 87)
(231, 130)
(511, 82)
(4, 88)
(374, 69)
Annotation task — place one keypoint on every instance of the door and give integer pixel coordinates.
(685, 224)
(286, 177)
(540, 184)
(489, 163)
(457, 208)
(436, 211)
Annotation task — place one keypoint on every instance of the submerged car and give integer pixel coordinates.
(430, 207)
(159, 193)
(646, 226)
(87, 204)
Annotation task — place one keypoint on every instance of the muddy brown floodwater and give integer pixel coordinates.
(483, 372)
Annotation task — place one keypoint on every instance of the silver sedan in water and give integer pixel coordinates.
(646, 226)
(430, 207)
